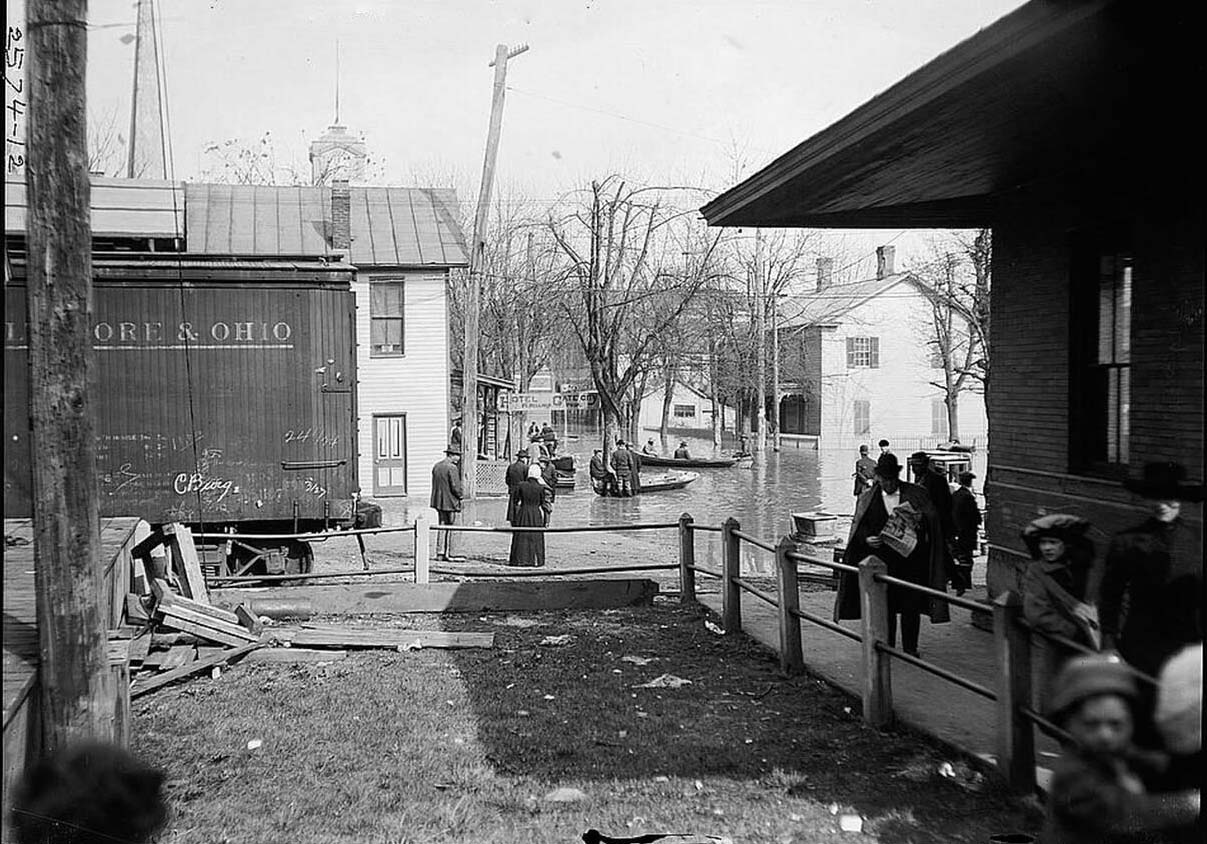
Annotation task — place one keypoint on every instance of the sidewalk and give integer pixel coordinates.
(920, 699)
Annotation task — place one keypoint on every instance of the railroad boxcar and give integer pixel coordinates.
(224, 393)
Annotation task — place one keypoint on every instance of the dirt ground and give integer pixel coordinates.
(629, 721)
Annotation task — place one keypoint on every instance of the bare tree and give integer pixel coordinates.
(238, 162)
(106, 146)
(625, 286)
(956, 287)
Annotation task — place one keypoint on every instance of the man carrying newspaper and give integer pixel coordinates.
(896, 522)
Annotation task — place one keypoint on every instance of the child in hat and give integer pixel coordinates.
(1097, 794)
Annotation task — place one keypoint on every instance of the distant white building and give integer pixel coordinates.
(861, 369)
(403, 242)
(691, 411)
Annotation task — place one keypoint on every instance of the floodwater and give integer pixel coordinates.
(761, 497)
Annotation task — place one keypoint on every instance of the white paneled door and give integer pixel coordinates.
(390, 455)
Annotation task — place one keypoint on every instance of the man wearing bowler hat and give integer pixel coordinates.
(446, 500)
(924, 565)
(1152, 589)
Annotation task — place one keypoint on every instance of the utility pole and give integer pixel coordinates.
(775, 369)
(77, 687)
(760, 317)
(469, 363)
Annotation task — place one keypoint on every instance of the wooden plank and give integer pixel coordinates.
(178, 655)
(140, 646)
(219, 613)
(184, 559)
(207, 633)
(142, 687)
(295, 655)
(474, 596)
(135, 611)
(153, 659)
(175, 610)
(354, 637)
(248, 620)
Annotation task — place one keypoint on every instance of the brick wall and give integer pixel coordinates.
(1029, 470)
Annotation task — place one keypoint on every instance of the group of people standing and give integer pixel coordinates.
(621, 475)
(531, 492)
(921, 531)
(1110, 625)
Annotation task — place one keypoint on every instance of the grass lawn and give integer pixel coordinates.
(468, 745)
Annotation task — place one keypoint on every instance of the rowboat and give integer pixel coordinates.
(687, 462)
(664, 482)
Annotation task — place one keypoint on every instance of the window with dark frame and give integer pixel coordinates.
(684, 411)
(863, 352)
(1100, 380)
(387, 301)
(863, 416)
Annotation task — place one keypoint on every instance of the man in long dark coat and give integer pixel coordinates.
(1152, 589)
(517, 473)
(935, 484)
(446, 500)
(865, 472)
(966, 518)
(923, 566)
(622, 465)
(602, 479)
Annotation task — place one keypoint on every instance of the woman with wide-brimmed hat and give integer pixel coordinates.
(1060, 591)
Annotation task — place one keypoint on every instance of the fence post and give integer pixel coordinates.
(877, 665)
(1015, 734)
(731, 568)
(423, 530)
(792, 658)
(687, 559)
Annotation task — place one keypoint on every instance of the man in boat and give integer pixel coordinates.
(681, 453)
(602, 479)
(649, 448)
(622, 464)
(549, 437)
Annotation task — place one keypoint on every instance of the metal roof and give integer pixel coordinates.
(120, 207)
(1069, 97)
(390, 226)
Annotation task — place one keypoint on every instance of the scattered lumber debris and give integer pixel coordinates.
(173, 631)
(141, 687)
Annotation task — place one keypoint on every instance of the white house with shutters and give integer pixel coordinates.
(404, 242)
(861, 368)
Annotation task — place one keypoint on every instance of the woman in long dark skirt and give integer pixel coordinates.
(532, 498)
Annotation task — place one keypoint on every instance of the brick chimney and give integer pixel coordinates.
(341, 215)
(825, 273)
(884, 261)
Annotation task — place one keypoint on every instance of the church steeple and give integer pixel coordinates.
(337, 154)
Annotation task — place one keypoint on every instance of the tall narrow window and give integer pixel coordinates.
(1100, 383)
(386, 302)
(863, 352)
(938, 418)
(863, 416)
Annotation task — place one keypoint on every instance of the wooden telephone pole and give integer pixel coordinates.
(469, 362)
(77, 687)
(760, 317)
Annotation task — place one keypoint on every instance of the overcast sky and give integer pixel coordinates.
(661, 90)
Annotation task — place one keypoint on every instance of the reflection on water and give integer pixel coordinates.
(761, 497)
